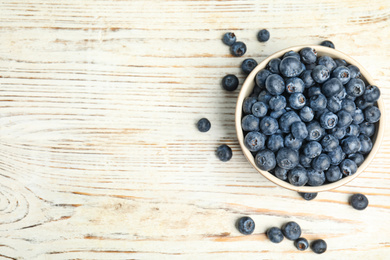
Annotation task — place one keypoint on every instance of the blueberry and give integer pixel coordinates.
(247, 104)
(275, 142)
(352, 130)
(292, 54)
(275, 235)
(286, 120)
(290, 67)
(275, 84)
(291, 230)
(358, 201)
(264, 96)
(256, 91)
(316, 132)
(294, 85)
(230, 82)
(259, 109)
(334, 104)
(308, 195)
(372, 114)
(254, 141)
(299, 130)
(229, 38)
(355, 71)
(341, 73)
(281, 173)
(269, 125)
(263, 35)
(318, 114)
(250, 123)
(355, 87)
(362, 103)
(318, 102)
(329, 143)
(297, 100)
(305, 161)
(348, 105)
(328, 120)
(333, 173)
(358, 158)
(301, 244)
(350, 145)
(342, 94)
(277, 114)
(246, 225)
(224, 153)
(287, 158)
(315, 177)
(298, 176)
(348, 167)
(336, 156)
(261, 77)
(367, 128)
(310, 66)
(307, 78)
(340, 62)
(318, 246)
(327, 43)
(308, 55)
(306, 114)
(345, 118)
(277, 103)
(248, 65)
(291, 142)
(273, 65)
(314, 91)
(238, 49)
(338, 132)
(321, 163)
(312, 149)
(331, 87)
(265, 160)
(365, 144)
(320, 74)
(328, 62)
(204, 125)
(372, 93)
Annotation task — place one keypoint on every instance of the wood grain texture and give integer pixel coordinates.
(99, 154)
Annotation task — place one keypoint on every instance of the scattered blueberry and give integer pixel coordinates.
(259, 109)
(318, 246)
(265, 160)
(248, 65)
(358, 201)
(246, 225)
(263, 35)
(308, 55)
(372, 114)
(273, 65)
(254, 141)
(301, 244)
(327, 43)
(291, 230)
(308, 195)
(238, 49)
(229, 38)
(204, 125)
(333, 173)
(290, 67)
(275, 235)
(224, 153)
(348, 167)
(230, 82)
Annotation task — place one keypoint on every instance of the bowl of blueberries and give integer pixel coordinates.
(309, 118)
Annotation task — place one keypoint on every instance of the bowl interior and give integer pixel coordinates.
(247, 89)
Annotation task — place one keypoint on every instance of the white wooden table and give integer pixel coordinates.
(99, 154)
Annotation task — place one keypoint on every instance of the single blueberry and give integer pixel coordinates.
(372, 93)
(338, 132)
(264, 96)
(365, 144)
(318, 246)
(321, 163)
(294, 85)
(334, 104)
(224, 153)
(308, 195)
(320, 74)
(329, 143)
(305, 161)
(230, 82)
(273, 65)
(265, 160)
(245, 225)
(307, 79)
(316, 132)
(336, 156)
(298, 176)
(345, 118)
(358, 201)
(263, 35)
(314, 91)
(291, 230)
(315, 177)
(254, 141)
(277, 103)
(256, 91)
(238, 49)
(306, 114)
(247, 104)
(286, 120)
(348, 105)
(299, 130)
(287, 158)
(372, 114)
(204, 125)
(328, 120)
(358, 158)
(367, 128)
(301, 244)
(248, 65)
(277, 114)
(261, 77)
(331, 87)
(275, 142)
(348, 167)
(327, 43)
(341, 73)
(308, 55)
(318, 102)
(312, 149)
(355, 71)
(351, 144)
(355, 87)
(290, 67)
(229, 38)
(352, 130)
(259, 109)
(333, 173)
(342, 94)
(340, 62)
(297, 100)
(250, 123)
(291, 142)
(328, 62)
(275, 84)
(281, 173)
(319, 113)
(293, 54)
(269, 125)
(362, 103)
(275, 235)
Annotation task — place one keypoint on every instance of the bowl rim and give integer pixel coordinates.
(247, 87)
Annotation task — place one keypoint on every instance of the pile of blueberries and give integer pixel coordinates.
(310, 119)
